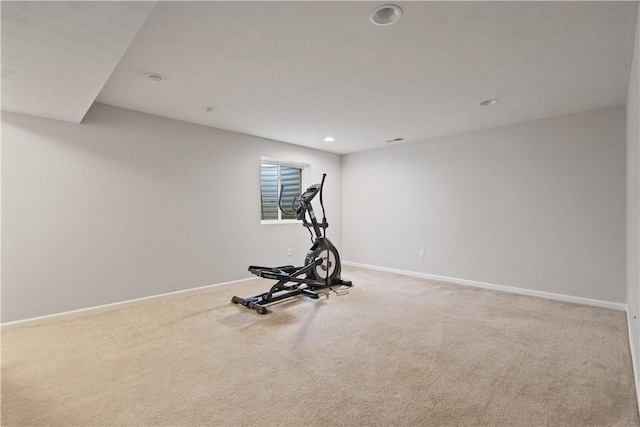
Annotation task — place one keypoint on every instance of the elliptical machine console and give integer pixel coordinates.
(321, 267)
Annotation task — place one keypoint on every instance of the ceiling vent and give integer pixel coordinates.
(489, 102)
(155, 78)
(394, 140)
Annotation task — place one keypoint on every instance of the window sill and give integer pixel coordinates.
(280, 221)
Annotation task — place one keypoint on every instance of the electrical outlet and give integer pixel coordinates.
(421, 253)
(289, 252)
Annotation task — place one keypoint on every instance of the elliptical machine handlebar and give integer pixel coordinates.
(324, 216)
(293, 203)
(304, 200)
(324, 175)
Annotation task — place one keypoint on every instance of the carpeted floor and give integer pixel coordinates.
(394, 351)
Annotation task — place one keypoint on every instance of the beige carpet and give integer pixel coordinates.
(395, 351)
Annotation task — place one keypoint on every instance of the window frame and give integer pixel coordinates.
(304, 175)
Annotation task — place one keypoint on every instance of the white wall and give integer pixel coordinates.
(633, 202)
(538, 205)
(128, 205)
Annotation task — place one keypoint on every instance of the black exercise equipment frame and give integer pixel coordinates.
(291, 280)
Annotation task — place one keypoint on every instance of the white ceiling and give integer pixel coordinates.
(57, 56)
(300, 71)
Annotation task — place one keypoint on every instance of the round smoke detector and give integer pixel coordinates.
(386, 14)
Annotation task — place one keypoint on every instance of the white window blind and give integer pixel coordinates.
(272, 176)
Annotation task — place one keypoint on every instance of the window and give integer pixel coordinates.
(273, 174)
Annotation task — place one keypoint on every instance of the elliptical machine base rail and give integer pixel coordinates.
(321, 268)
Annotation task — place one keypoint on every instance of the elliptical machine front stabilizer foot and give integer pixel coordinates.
(247, 302)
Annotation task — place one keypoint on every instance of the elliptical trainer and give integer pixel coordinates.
(321, 265)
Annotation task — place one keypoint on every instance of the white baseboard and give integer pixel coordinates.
(115, 305)
(634, 360)
(503, 288)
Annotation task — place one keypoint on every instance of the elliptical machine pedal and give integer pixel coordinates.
(321, 267)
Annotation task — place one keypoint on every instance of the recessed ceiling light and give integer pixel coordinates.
(329, 139)
(155, 78)
(489, 102)
(386, 14)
